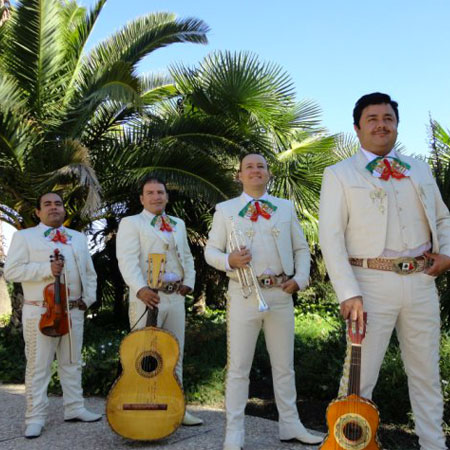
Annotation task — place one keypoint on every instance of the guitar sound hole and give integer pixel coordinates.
(149, 364)
(352, 431)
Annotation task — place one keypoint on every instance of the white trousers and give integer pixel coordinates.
(40, 352)
(244, 323)
(171, 317)
(410, 304)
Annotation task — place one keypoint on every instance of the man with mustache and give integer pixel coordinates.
(28, 262)
(154, 231)
(385, 236)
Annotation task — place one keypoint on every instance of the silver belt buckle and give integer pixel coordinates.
(405, 266)
(170, 287)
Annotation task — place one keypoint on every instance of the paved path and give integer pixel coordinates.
(262, 434)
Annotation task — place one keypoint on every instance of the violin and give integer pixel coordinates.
(55, 321)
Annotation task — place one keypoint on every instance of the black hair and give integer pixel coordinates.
(38, 201)
(152, 179)
(376, 98)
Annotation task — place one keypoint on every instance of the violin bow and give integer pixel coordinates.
(68, 317)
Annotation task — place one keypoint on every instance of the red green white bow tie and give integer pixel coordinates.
(163, 223)
(58, 235)
(255, 208)
(387, 167)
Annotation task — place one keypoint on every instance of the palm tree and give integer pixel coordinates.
(60, 105)
(439, 161)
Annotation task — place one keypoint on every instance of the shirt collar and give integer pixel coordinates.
(249, 198)
(151, 215)
(46, 227)
(371, 156)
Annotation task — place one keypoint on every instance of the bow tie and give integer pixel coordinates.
(255, 208)
(163, 223)
(387, 167)
(58, 235)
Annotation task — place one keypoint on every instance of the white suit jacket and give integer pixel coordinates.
(28, 263)
(352, 224)
(137, 238)
(292, 247)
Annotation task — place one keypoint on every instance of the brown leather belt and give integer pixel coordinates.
(402, 266)
(270, 281)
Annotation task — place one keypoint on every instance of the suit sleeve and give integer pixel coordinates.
(300, 248)
(333, 218)
(215, 251)
(18, 267)
(128, 250)
(188, 260)
(442, 219)
(90, 294)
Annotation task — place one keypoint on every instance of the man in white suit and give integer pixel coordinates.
(385, 235)
(279, 253)
(153, 231)
(28, 262)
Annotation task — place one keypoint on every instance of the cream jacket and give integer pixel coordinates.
(291, 244)
(28, 263)
(352, 223)
(136, 238)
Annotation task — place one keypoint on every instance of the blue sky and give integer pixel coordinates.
(335, 51)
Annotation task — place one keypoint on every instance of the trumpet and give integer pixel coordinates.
(246, 275)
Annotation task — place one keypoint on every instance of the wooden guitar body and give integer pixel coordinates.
(146, 402)
(352, 424)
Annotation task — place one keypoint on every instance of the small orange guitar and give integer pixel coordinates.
(353, 420)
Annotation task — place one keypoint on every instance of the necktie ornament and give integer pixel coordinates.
(388, 167)
(255, 208)
(58, 235)
(163, 222)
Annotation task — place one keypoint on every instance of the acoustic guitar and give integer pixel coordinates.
(147, 402)
(353, 420)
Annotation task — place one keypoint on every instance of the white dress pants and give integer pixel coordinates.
(244, 323)
(40, 352)
(171, 317)
(410, 304)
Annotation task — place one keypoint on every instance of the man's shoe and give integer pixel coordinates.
(305, 437)
(84, 416)
(231, 447)
(33, 430)
(190, 420)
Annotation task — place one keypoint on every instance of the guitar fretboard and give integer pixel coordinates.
(355, 370)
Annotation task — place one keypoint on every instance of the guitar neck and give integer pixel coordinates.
(355, 371)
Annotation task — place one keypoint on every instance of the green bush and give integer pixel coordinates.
(319, 354)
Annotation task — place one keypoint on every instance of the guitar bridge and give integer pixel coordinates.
(144, 406)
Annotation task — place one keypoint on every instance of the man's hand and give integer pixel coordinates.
(148, 296)
(82, 306)
(439, 264)
(239, 258)
(352, 308)
(57, 267)
(184, 290)
(290, 286)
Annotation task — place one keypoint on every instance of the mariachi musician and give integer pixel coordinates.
(28, 262)
(153, 231)
(279, 253)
